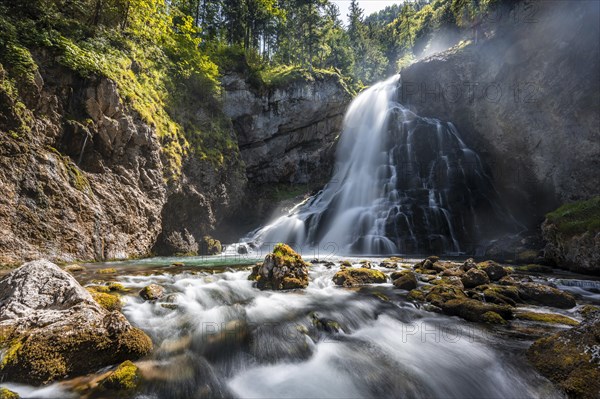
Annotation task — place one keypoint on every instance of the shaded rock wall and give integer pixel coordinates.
(526, 100)
(287, 136)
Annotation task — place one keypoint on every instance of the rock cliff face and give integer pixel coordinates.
(526, 100)
(287, 136)
(84, 177)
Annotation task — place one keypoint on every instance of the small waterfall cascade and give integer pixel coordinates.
(402, 184)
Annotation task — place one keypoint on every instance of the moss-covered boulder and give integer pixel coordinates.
(408, 281)
(473, 310)
(494, 271)
(352, 277)
(545, 295)
(152, 292)
(571, 358)
(474, 277)
(572, 235)
(210, 246)
(126, 377)
(6, 393)
(51, 327)
(283, 269)
(549, 318)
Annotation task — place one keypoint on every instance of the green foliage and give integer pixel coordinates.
(578, 217)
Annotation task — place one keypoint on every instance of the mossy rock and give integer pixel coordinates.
(114, 286)
(6, 393)
(578, 217)
(492, 317)
(550, 318)
(126, 377)
(210, 246)
(346, 263)
(546, 295)
(568, 360)
(494, 271)
(406, 282)
(472, 310)
(283, 269)
(439, 294)
(352, 277)
(152, 292)
(416, 295)
(47, 356)
(109, 302)
(108, 270)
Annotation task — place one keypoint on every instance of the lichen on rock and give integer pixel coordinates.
(569, 359)
(283, 269)
(351, 277)
(51, 327)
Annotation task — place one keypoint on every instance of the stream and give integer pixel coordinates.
(215, 335)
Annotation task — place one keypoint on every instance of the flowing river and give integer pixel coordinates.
(216, 335)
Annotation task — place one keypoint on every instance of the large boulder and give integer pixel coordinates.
(545, 295)
(51, 327)
(283, 269)
(474, 277)
(572, 235)
(571, 358)
(351, 277)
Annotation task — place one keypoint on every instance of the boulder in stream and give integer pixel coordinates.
(51, 327)
(351, 277)
(571, 358)
(283, 269)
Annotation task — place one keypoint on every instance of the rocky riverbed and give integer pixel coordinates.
(360, 328)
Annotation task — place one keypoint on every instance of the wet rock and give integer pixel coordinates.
(177, 243)
(494, 271)
(546, 295)
(74, 268)
(51, 327)
(108, 270)
(152, 292)
(571, 358)
(329, 265)
(468, 265)
(242, 250)
(326, 325)
(210, 246)
(388, 264)
(572, 235)
(365, 263)
(474, 277)
(472, 310)
(406, 282)
(126, 377)
(448, 280)
(502, 295)
(352, 277)
(454, 271)
(439, 294)
(550, 318)
(283, 269)
(6, 393)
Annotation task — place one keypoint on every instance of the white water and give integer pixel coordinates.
(401, 184)
(215, 335)
(271, 349)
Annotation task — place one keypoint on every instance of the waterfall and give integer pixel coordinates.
(401, 184)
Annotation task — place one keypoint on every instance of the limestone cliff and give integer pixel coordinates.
(526, 99)
(286, 135)
(84, 176)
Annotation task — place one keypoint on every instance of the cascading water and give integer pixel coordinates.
(401, 184)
